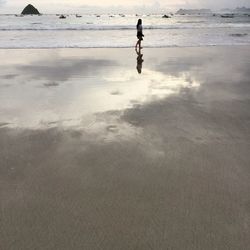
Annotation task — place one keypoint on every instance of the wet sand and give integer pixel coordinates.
(94, 155)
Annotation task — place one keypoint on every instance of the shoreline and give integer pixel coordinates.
(131, 47)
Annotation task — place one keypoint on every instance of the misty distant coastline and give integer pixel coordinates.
(209, 11)
(155, 8)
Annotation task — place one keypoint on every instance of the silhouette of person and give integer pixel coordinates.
(139, 34)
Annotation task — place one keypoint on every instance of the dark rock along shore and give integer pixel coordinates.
(30, 10)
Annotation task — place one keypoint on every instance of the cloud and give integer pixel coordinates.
(59, 69)
(2, 2)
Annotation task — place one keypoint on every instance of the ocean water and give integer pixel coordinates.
(48, 31)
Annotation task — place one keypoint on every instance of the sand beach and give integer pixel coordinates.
(94, 155)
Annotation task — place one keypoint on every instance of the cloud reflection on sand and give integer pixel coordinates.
(65, 91)
(113, 159)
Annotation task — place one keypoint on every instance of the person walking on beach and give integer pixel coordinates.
(139, 34)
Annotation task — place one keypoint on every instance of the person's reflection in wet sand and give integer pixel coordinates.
(139, 61)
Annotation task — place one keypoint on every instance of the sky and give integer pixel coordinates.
(54, 6)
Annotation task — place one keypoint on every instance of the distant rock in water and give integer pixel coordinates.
(166, 16)
(30, 10)
(62, 17)
(239, 35)
(227, 16)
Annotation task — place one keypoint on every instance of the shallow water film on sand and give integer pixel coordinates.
(108, 149)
